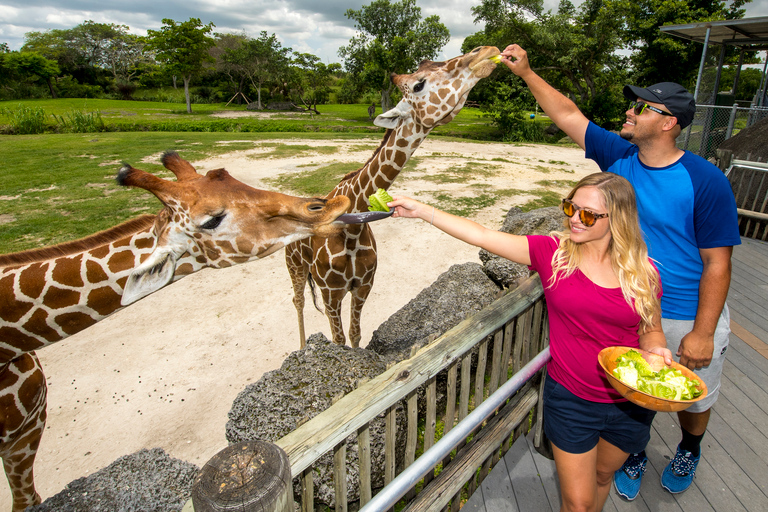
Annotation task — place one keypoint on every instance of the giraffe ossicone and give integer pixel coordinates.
(210, 220)
(345, 263)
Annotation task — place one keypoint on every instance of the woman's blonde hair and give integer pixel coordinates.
(638, 278)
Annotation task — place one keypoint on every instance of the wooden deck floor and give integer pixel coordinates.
(733, 473)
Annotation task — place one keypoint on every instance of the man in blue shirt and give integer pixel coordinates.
(689, 220)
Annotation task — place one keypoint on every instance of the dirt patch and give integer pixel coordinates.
(164, 371)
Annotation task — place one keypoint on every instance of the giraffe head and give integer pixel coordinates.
(219, 221)
(436, 92)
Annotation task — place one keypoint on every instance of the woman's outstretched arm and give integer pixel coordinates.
(512, 247)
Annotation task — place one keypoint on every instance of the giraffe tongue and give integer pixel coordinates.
(360, 217)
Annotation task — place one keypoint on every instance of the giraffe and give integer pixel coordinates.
(210, 220)
(346, 262)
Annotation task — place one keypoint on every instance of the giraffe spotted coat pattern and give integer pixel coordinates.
(209, 220)
(346, 262)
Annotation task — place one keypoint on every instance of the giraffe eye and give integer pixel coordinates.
(213, 222)
(419, 86)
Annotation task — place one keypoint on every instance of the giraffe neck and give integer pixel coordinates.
(59, 293)
(386, 163)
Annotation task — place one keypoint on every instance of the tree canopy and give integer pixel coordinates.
(658, 57)
(392, 38)
(183, 48)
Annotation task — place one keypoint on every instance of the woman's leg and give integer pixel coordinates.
(578, 485)
(585, 478)
(609, 459)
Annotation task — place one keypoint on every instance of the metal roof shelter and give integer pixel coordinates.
(746, 34)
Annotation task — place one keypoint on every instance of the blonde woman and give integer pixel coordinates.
(601, 290)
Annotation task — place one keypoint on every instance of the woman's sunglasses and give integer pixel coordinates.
(587, 217)
(639, 107)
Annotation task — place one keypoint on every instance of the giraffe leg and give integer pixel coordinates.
(332, 302)
(22, 421)
(299, 272)
(359, 296)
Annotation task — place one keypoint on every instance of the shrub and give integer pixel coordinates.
(26, 120)
(77, 121)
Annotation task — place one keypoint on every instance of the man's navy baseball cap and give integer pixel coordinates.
(675, 97)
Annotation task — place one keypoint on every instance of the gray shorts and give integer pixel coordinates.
(674, 330)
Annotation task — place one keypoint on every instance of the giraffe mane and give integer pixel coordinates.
(68, 248)
(352, 174)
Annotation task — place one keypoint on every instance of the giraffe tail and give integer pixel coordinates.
(313, 290)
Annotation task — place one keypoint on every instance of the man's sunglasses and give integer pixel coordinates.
(639, 107)
(587, 217)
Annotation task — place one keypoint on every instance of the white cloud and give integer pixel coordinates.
(307, 26)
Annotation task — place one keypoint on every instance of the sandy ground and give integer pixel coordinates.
(164, 371)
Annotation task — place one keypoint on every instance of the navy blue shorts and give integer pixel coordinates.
(575, 425)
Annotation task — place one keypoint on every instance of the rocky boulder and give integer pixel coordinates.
(458, 293)
(145, 481)
(308, 382)
(541, 221)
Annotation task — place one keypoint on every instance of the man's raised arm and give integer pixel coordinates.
(561, 110)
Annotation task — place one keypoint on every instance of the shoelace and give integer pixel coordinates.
(635, 466)
(683, 463)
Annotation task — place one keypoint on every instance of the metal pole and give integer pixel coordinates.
(701, 64)
(731, 121)
(765, 82)
(389, 495)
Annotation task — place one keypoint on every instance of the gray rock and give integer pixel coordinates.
(145, 481)
(309, 382)
(458, 293)
(541, 221)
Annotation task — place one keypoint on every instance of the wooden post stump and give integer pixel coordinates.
(245, 477)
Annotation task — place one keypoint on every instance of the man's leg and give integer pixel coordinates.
(679, 473)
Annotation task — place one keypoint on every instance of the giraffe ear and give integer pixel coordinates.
(156, 272)
(390, 118)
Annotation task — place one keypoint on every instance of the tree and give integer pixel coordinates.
(22, 67)
(391, 38)
(574, 49)
(259, 61)
(658, 57)
(90, 49)
(183, 48)
(311, 80)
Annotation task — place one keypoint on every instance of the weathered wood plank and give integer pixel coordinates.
(741, 452)
(752, 415)
(435, 495)
(747, 360)
(497, 492)
(340, 476)
(752, 389)
(546, 470)
(364, 458)
(529, 490)
(319, 435)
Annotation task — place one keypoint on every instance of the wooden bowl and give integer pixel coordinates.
(607, 358)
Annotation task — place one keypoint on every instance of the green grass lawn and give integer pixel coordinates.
(126, 116)
(60, 187)
(56, 187)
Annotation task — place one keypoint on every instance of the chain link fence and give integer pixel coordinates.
(713, 124)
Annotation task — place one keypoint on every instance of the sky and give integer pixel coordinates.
(319, 27)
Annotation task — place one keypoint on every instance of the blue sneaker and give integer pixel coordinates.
(678, 475)
(627, 480)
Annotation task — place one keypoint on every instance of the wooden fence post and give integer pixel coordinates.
(245, 477)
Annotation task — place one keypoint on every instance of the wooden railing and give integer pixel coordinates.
(513, 329)
(749, 181)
